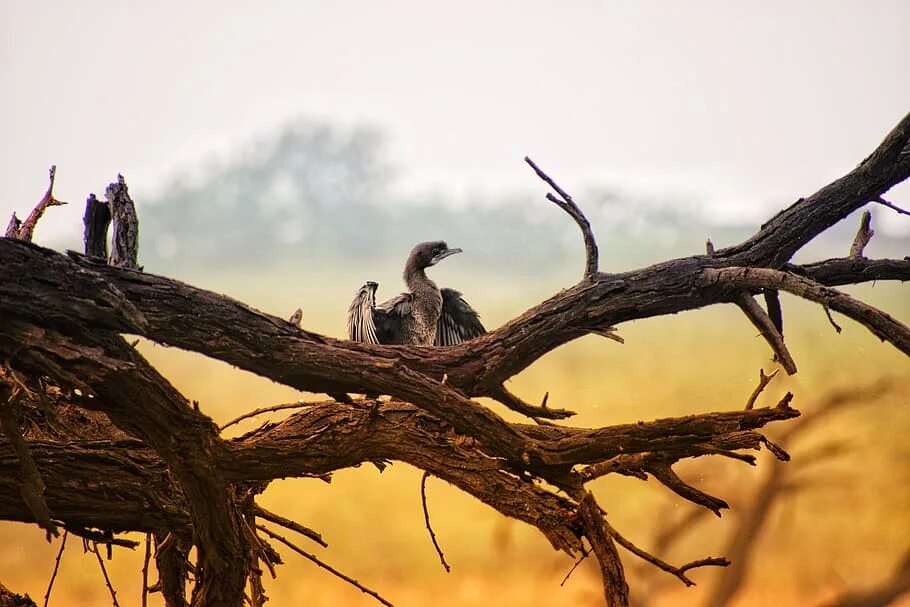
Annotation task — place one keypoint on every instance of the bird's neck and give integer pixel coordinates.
(417, 280)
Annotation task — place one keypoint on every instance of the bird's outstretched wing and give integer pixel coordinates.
(388, 316)
(361, 326)
(458, 321)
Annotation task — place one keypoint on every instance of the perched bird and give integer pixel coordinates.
(425, 316)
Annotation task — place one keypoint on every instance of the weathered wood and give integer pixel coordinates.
(863, 235)
(27, 227)
(12, 228)
(616, 590)
(143, 403)
(31, 484)
(96, 220)
(125, 242)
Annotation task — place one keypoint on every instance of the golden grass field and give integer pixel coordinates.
(845, 529)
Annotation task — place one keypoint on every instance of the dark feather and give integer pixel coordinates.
(387, 317)
(458, 321)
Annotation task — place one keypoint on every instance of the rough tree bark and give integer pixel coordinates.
(130, 434)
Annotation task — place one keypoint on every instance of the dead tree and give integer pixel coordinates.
(127, 432)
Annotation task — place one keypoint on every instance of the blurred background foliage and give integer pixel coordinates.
(302, 217)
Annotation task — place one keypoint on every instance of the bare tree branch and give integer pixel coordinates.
(884, 202)
(768, 330)
(289, 524)
(616, 591)
(882, 325)
(568, 205)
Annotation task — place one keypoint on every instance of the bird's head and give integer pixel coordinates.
(428, 254)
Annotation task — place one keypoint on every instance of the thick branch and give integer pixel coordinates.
(789, 230)
(882, 325)
(118, 381)
(172, 560)
(329, 436)
(846, 271)
(616, 590)
(32, 485)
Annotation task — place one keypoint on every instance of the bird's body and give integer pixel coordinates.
(425, 315)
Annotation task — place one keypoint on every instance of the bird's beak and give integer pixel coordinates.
(444, 254)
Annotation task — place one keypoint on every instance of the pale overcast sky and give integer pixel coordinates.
(763, 101)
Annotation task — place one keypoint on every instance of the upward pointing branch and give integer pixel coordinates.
(568, 205)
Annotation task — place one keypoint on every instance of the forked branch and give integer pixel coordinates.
(568, 205)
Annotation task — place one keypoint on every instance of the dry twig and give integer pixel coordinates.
(50, 585)
(314, 559)
(568, 205)
(426, 519)
(678, 572)
(145, 569)
(890, 205)
(107, 580)
(289, 524)
(261, 410)
(763, 381)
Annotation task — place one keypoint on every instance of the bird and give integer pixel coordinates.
(426, 315)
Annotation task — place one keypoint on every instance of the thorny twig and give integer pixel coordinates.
(426, 519)
(289, 524)
(314, 559)
(261, 410)
(50, 585)
(107, 580)
(574, 567)
(145, 569)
